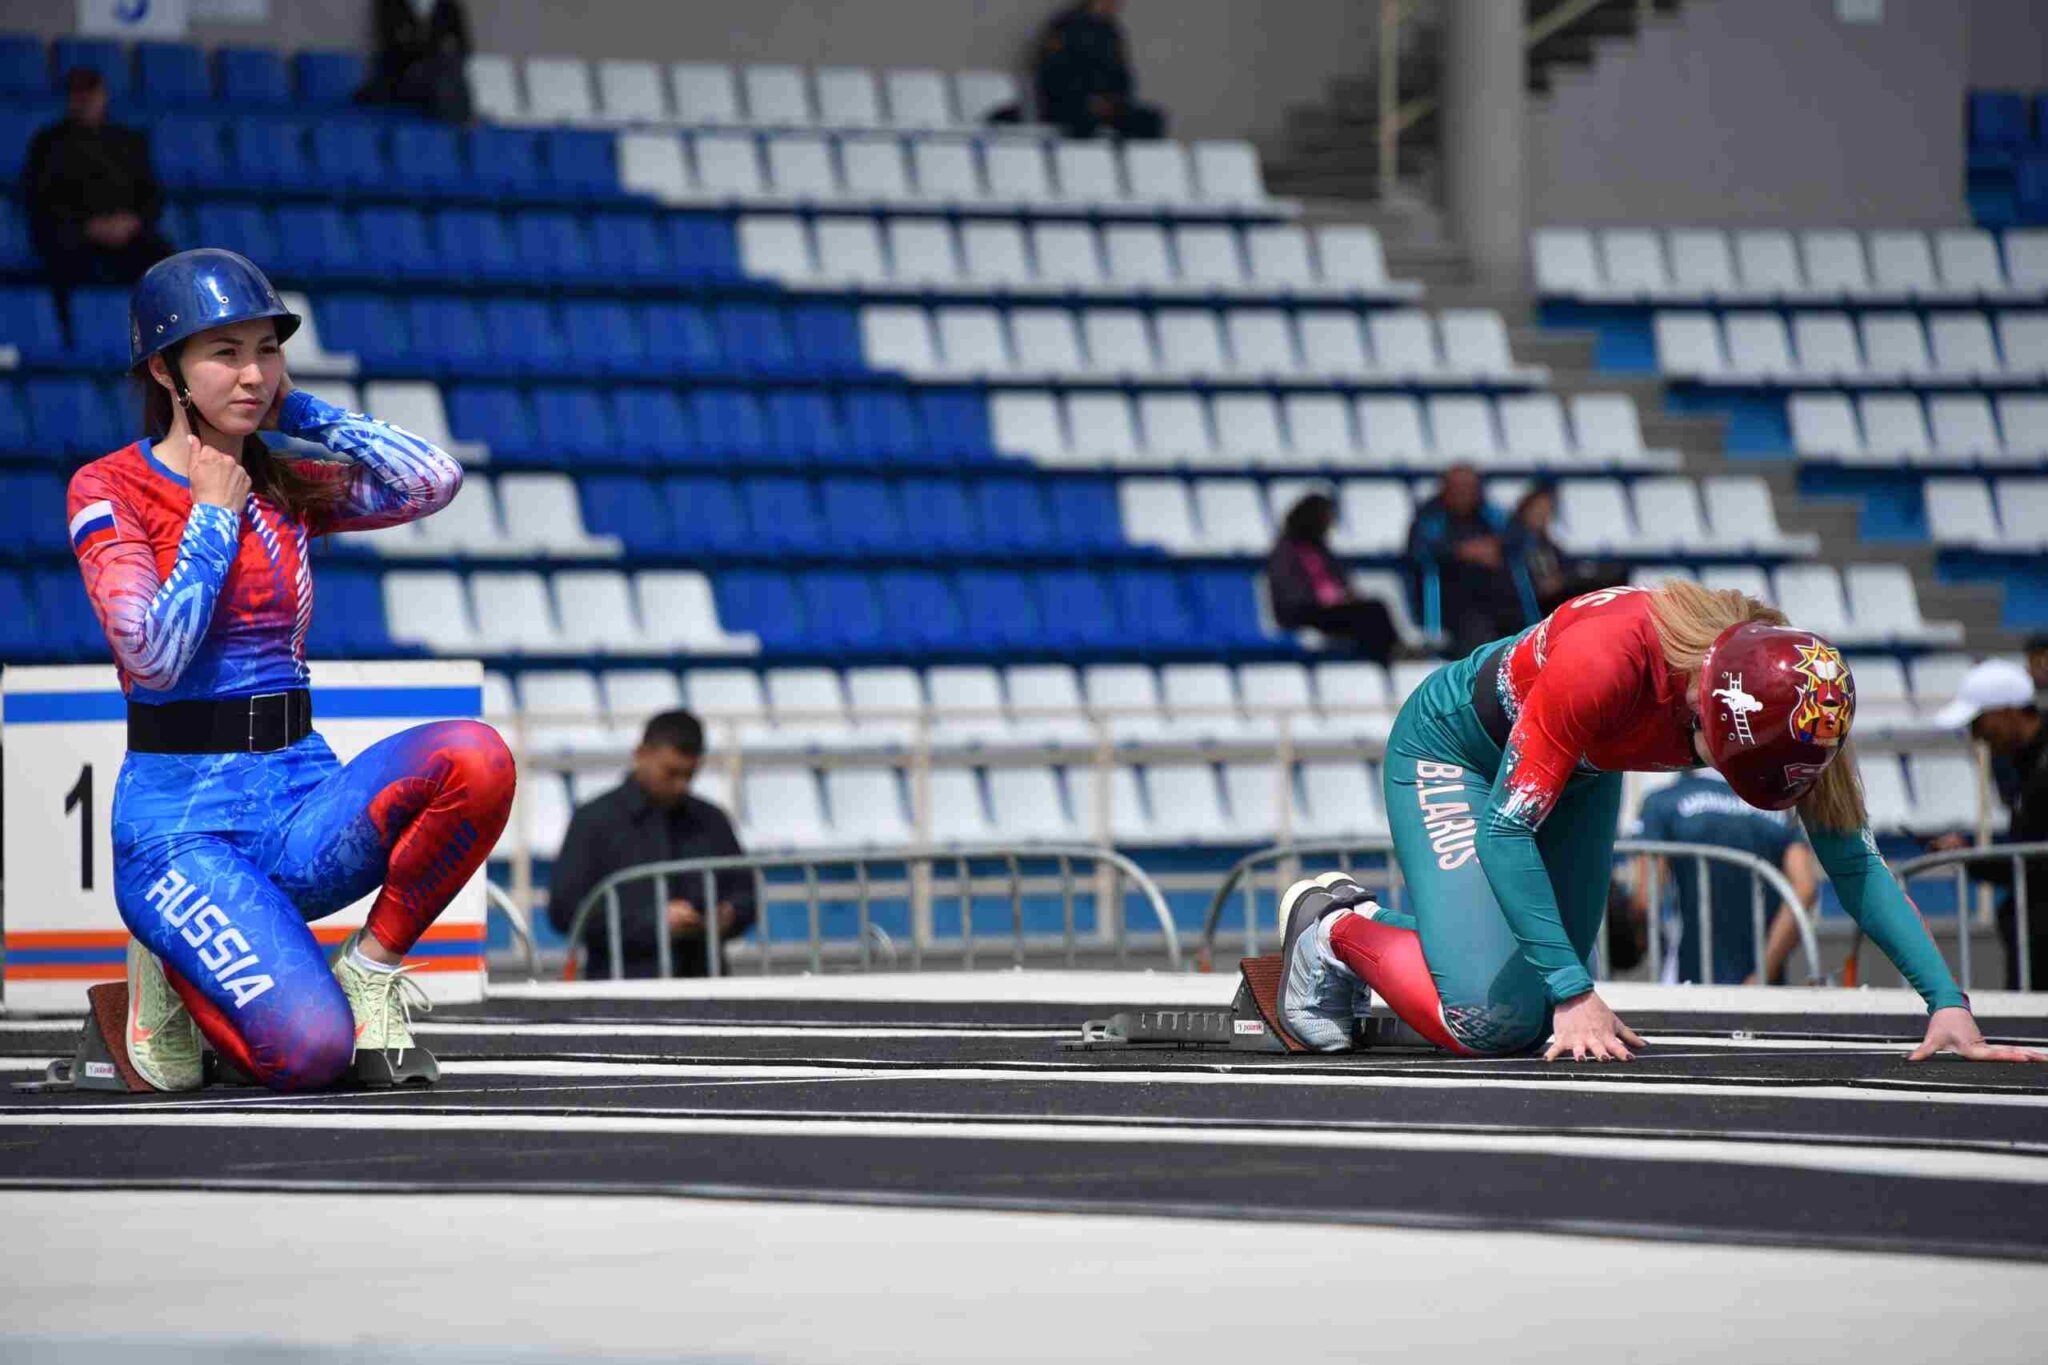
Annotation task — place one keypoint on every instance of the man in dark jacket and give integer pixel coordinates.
(652, 818)
(421, 55)
(1457, 554)
(1084, 75)
(92, 198)
(1997, 702)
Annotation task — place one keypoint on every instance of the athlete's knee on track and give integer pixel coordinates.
(1498, 1026)
(307, 1046)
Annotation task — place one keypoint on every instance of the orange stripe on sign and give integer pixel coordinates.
(65, 971)
(67, 938)
(436, 933)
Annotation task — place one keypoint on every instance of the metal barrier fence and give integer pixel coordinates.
(1959, 859)
(925, 871)
(1284, 859)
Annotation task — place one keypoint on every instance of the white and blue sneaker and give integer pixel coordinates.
(1320, 998)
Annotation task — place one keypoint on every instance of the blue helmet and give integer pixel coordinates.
(185, 294)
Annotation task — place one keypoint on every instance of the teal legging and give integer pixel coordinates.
(1439, 777)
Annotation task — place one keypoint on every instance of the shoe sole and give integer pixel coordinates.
(148, 1070)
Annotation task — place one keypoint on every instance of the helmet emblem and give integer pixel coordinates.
(1741, 706)
(1826, 704)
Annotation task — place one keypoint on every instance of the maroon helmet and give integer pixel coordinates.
(1775, 705)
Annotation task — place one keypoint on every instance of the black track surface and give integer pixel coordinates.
(1240, 1135)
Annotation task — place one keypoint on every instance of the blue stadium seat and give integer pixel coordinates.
(103, 55)
(17, 252)
(347, 155)
(448, 337)
(2032, 181)
(956, 425)
(704, 246)
(316, 242)
(394, 244)
(571, 423)
(755, 339)
(552, 245)
(270, 153)
(16, 525)
(729, 425)
(252, 76)
(882, 428)
(505, 161)
(66, 614)
(497, 415)
(239, 226)
(1152, 608)
(1997, 125)
(526, 337)
(802, 425)
(370, 325)
(653, 425)
(707, 515)
(630, 508)
(627, 247)
(328, 77)
(845, 612)
(606, 336)
(1078, 610)
(782, 514)
(827, 339)
(190, 152)
(921, 609)
(29, 322)
(680, 340)
(999, 612)
(581, 162)
(17, 126)
(15, 437)
(764, 603)
(1084, 514)
(173, 73)
(1225, 605)
(20, 637)
(348, 615)
(24, 67)
(1013, 515)
(428, 157)
(36, 507)
(99, 327)
(861, 518)
(937, 517)
(474, 245)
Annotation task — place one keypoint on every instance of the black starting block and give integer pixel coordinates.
(100, 1061)
(1251, 1023)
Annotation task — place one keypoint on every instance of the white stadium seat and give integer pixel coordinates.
(1102, 429)
(1207, 257)
(1126, 698)
(959, 814)
(542, 511)
(1404, 344)
(632, 92)
(1262, 344)
(971, 342)
(800, 167)
(918, 98)
(1758, 346)
(1118, 342)
(1087, 172)
(2023, 507)
(1742, 515)
(1158, 512)
(1279, 257)
(513, 613)
(850, 251)
(1190, 343)
(1824, 424)
(1046, 341)
(1769, 265)
(777, 96)
(875, 168)
(430, 609)
(922, 251)
(1186, 803)
(993, 255)
(1894, 427)
(1816, 589)
(1017, 172)
(562, 711)
(1046, 705)
(1960, 512)
(558, 90)
(1901, 266)
(310, 358)
(416, 407)
(705, 95)
(1175, 428)
(1352, 258)
(1944, 791)
(848, 97)
(1668, 516)
(898, 338)
(1963, 427)
(866, 807)
(1702, 265)
(2026, 261)
(1461, 428)
(1028, 803)
(1332, 343)
(1605, 426)
(728, 165)
(1633, 264)
(1835, 263)
(1228, 173)
(945, 170)
(1319, 428)
(653, 164)
(778, 248)
(678, 611)
(1158, 173)
(1532, 429)
(1138, 257)
(1884, 605)
(1475, 342)
(1390, 431)
(494, 88)
(1826, 345)
(1067, 255)
(1232, 517)
(633, 696)
(2024, 339)
(1027, 424)
(1248, 428)
(782, 808)
(1565, 262)
(977, 94)
(1895, 347)
(1689, 345)
(1963, 348)
(1968, 262)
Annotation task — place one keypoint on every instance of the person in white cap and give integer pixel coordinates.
(1996, 702)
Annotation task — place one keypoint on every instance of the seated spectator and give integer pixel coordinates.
(1545, 576)
(1085, 86)
(1308, 588)
(1459, 560)
(421, 49)
(91, 196)
(652, 818)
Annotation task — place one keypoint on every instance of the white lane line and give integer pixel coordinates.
(502, 1030)
(1908, 1163)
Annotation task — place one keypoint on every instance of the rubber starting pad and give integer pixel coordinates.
(1250, 1024)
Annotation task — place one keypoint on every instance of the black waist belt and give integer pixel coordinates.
(1493, 717)
(237, 725)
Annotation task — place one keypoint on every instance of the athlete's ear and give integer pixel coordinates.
(161, 373)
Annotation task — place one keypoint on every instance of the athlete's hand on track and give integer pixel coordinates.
(216, 478)
(1955, 1030)
(1584, 1027)
(284, 391)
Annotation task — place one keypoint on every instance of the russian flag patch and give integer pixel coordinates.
(94, 525)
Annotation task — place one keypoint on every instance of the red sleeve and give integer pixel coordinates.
(1590, 683)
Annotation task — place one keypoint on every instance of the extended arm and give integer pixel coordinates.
(154, 625)
(392, 476)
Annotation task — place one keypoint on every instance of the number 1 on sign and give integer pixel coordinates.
(79, 798)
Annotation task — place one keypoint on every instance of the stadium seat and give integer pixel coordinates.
(921, 252)
(1067, 255)
(392, 243)
(1158, 173)
(946, 171)
(1632, 264)
(505, 161)
(1186, 803)
(1835, 264)
(1017, 172)
(980, 94)
(631, 92)
(73, 416)
(1227, 174)
(1702, 265)
(494, 88)
(1029, 803)
(346, 154)
(558, 90)
(921, 610)
(997, 611)
(1769, 266)
(2024, 339)
(1969, 266)
(874, 168)
(918, 98)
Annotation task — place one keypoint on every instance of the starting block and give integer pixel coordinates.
(1251, 1023)
(101, 1059)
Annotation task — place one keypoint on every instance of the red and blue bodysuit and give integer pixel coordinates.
(221, 859)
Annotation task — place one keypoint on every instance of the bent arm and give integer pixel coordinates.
(1876, 901)
(154, 625)
(392, 476)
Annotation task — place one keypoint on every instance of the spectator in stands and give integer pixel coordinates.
(1085, 86)
(91, 196)
(2037, 662)
(1458, 557)
(652, 818)
(1700, 808)
(1998, 704)
(1546, 577)
(1308, 587)
(421, 51)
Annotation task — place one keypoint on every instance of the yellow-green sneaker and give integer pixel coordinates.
(382, 1003)
(161, 1037)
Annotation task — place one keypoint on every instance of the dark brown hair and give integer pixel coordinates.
(279, 481)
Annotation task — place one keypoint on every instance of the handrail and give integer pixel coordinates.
(1759, 869)
(2018, 855)
(928, 858)
(522, 928)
